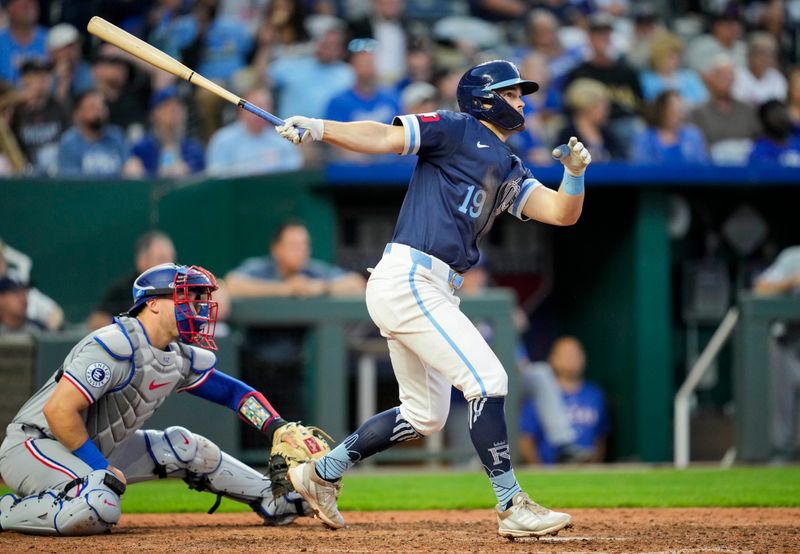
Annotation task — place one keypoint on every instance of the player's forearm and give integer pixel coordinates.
(350, 284)
(367, 137)
(772, 288)
(243, 287)
(66, 425)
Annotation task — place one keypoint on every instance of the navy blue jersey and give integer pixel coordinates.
(464, 178)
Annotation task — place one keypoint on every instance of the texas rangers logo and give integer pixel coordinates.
(98, 374)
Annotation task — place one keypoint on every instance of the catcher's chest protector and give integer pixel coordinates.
(149, 381)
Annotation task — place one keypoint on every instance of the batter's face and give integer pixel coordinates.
(513, 95)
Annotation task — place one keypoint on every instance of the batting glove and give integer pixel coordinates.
(574, 156)
(313, 129)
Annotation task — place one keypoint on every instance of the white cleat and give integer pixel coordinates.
(525, 518)
(321, 495)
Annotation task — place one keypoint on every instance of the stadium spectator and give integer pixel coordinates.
(724, 37)
(446, 82)
(419, 64)
(621, 81)
(40, 307)
(165, 151)
(782, 278)
(12, 160)
(585, 407)
(665, 71)
(290, 270)
(40, 120)
(760, 79)
(793, 99)
(125, 89)
(306, 84)
(14, 309)
(249, 146)
(668, 139)
(729, 126)
(385, 24)
(71, 73)
(645, 27)
(91, 147)
(780, 21)
(366, 100)
(23, 39)
(589, 102)
(151, 249)
(777, 144)
(542, 33)
(419, 97)
(274, 356)
(280, 35)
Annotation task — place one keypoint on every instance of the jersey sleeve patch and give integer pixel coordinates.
(528, 186)
(410, 125)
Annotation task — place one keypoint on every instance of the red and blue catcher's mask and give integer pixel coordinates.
(190, 288)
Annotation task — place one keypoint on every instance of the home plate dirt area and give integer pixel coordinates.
(679, 530)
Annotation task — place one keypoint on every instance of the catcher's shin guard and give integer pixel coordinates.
(95, 508)
(207, 468)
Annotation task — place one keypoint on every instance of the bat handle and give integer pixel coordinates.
(263, 114)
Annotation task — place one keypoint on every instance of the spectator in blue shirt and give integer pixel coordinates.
(91, 147)
(665, 71)
(669, 139)
(22, 39)
(776, 145)
(165, 151)
(585, 407)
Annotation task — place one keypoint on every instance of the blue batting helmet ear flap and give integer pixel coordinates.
(190, 289)
(477, 93)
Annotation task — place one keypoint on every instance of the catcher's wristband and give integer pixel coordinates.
(90, 455)
(258, 412)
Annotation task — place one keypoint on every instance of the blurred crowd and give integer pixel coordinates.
(692, 81)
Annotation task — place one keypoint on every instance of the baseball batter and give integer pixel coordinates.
(74, 445)
(466, 175)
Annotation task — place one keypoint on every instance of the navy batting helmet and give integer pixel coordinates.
(477, 93)
(190, 289)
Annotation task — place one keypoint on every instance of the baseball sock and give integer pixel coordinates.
(487, 428)
(375, 435)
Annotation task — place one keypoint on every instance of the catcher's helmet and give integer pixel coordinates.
(190, 289)
(477, 93)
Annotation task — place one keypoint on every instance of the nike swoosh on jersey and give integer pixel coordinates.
(482, 145)
(153, 385)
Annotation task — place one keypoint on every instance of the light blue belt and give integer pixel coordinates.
(454, 279)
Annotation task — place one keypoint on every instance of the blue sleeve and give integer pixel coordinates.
(697, 142)
(431, 134)
(336, 109)
(193, 155)
(222, 389)
(69, 157)
(317, 269)
(642, 151)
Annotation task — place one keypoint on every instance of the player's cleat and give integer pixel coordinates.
(321, 495)
(525, 518)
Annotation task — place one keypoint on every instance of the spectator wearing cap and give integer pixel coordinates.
(40, 120)
(645, 27)
(665, 71)
(14, 307)
(760, 79)
(365, 100)
(776, 145)
(418, 97)
(126, 90)
(91, 147)
(71, 73)
(165, 151)
(387, 25)
(250, 146)
(22, 39)
(729, 126)
(306, 84)
(620, 80)
(724, 37)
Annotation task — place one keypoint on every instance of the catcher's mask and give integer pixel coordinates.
(190, 288)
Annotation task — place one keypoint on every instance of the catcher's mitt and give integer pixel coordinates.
(293, 444)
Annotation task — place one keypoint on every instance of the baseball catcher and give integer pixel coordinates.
(74, 446)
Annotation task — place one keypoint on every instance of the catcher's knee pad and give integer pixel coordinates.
(177, 448)
(95, 509)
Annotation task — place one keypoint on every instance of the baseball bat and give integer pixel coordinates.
(135, 46)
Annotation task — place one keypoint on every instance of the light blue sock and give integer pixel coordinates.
(505, 487)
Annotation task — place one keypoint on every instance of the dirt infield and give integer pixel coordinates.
(690, 530)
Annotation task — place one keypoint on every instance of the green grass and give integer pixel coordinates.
(610, 488)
